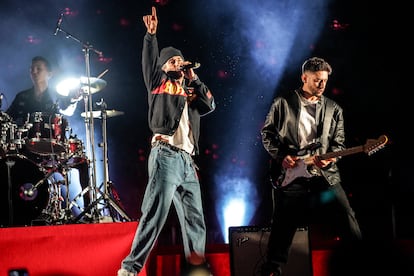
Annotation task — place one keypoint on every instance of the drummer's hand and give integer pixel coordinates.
(75, 100)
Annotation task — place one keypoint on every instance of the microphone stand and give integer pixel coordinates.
(89, 124)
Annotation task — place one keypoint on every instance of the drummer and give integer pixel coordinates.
(39, 98)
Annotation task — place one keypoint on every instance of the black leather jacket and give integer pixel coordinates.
(280, 130)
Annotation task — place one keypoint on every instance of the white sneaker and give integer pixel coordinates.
(124, 272)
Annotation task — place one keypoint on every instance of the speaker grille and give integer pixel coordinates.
(248, 245)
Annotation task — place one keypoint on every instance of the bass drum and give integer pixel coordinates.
(19, 207)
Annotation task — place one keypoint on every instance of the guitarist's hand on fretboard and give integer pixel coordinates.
(319, 162)
(291, 161)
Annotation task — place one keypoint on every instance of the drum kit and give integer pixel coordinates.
(32, 153)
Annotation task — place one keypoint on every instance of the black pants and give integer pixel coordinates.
(304, 201)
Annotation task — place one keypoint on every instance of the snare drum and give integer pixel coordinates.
(47, 133)
(75, 151)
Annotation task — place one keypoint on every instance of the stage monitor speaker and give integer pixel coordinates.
(248, 245)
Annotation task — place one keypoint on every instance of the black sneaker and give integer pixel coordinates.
(271, 270)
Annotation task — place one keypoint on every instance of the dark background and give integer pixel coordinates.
(249, 51)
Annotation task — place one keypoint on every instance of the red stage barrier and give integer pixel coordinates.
(97, 249)
(89, 249)
(76, 249)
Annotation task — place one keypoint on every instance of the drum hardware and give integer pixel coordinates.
(109, 113)
(31, 190)
(115, 211)
(90, 86)
(11, 138)
(55, 212)
(10, 164)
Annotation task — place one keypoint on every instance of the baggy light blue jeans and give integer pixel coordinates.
(172, 179)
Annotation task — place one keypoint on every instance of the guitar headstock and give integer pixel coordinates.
(374, 145)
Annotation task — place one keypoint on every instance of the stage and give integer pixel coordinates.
(97, 249)
(88, 249)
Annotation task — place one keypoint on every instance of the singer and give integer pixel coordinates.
(177, 99)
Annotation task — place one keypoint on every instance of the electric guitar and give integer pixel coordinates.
(305, 168)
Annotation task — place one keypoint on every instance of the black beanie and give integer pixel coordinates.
(167, 53)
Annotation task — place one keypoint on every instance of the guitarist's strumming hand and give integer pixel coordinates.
(289, 161)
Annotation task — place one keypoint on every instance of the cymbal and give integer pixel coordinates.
(96, 84)
(109, 113)
(71, 86)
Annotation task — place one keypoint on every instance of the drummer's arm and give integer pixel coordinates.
(69, 110)
(67, 106)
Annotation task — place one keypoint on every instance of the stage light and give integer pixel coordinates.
(234, 215)
(68, 85)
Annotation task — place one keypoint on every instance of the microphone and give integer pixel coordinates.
(194, 65)
(59, 22)
(1, 99)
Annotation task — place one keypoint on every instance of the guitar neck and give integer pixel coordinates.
(345, 152)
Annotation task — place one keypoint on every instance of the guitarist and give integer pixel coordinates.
(298, 120)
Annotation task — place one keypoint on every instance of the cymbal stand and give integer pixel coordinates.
(115, 211)
(89, 124)
(10, 164)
